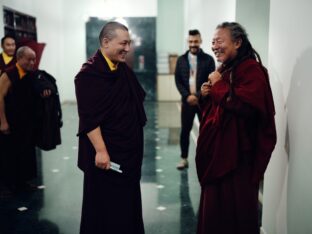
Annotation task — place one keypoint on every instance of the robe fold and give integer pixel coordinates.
(3, 66)
(112, 100)
(237, 137)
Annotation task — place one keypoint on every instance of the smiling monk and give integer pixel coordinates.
(111, 120)
(237, 135)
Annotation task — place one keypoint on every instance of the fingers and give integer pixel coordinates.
(102, 160)
(205, 88)
(102, 165)
(46, 93)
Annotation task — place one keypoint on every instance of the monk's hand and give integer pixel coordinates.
(5, 128)
(192, 100)
(205, 89)
(46, 93)
(102, 160)
(214, 77)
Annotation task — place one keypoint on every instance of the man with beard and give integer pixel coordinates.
(7, 57)
(191, 72)
(17, 146)
(237, 135)
(111, 120)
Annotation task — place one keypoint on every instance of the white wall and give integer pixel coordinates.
(288, 183)
(61, 25)
(170, 28)
(49, 30)
(76, 14)
(205, 15)
(254, 16)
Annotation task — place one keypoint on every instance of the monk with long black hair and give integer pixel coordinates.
(237, 135)
(111, 120)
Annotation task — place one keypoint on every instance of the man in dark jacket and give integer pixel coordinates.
(191, 72)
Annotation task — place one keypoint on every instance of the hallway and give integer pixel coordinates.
(170, 197)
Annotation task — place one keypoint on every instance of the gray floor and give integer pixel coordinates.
(170, 197)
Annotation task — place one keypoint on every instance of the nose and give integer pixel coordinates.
(127, 47)
(214, 46)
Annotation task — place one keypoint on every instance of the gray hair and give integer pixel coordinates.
(109, 30)
(238, 32)
(22, 51)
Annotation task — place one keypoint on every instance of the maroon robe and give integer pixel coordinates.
(237, 137)
(112, 100)
(4, 66)
(17, 149)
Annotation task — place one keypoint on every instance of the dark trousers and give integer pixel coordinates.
(187, 117)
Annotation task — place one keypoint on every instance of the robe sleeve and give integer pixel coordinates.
(252, 95)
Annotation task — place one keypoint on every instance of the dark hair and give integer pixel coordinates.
(245, 51)
(194, 32)
(239, 33)
(6, 37)
(109, 30)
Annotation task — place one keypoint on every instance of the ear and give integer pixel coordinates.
(238, 43)
(104, 42)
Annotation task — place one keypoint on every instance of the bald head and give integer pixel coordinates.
(26, 58)
(23, 51)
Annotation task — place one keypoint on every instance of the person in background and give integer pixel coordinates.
(7, 57)
(191, 72)
(111, 119)
(17, 145)
(237, 135)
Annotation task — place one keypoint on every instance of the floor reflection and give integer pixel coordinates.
(170, 197)
(188, 218)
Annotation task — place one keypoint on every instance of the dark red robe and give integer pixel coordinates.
(17, 149)
(112, 100)
(4, 66)
(237, 137)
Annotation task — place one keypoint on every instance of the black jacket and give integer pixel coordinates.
(205, 65)
(48, 116)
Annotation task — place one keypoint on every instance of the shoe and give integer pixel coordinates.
(183, 164)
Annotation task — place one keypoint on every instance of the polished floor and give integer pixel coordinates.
(170, 197)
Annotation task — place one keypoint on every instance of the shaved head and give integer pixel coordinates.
(26, 58)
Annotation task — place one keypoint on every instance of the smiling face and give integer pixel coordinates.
(224, 48)
(27, 60)
(117, 48)
(194, 42)
(9, 46)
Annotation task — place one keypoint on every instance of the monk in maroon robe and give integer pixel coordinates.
(237, 136)
(111, 120)
(17, 145)
(7, 57)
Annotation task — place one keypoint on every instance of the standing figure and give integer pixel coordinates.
(111, 120)
(17, 107)
(191, 72)
(237, 135)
